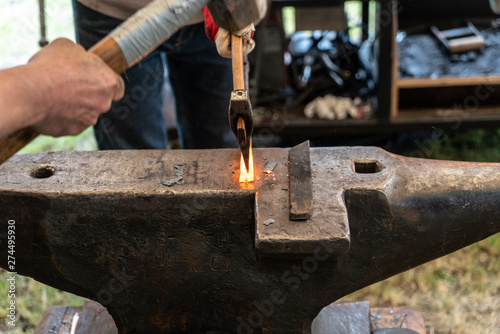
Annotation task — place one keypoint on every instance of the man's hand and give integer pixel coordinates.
(73, 87)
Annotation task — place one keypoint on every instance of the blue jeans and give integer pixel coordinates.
(201, 81)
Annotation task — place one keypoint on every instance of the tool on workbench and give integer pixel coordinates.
(460, 39)
(142, 33)
(240, 108)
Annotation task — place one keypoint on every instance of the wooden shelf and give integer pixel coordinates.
(409, 83)
(425, 113)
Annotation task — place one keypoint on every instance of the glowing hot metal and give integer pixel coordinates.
(247, 176)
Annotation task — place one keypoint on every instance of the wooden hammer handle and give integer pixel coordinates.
(109, 51)
(15, 141)
(238, 68)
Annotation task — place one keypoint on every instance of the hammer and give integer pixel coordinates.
(141, 34)
(240, 108)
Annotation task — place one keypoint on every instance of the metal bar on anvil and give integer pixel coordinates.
(300, 175)
(171, 242)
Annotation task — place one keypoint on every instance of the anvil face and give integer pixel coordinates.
(171, 242)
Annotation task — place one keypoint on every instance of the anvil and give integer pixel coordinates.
(171, 242)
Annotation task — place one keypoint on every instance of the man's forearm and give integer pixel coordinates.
(19, 99)
(61, 91)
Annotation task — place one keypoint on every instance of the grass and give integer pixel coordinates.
(32, 298)
(459, 293)
(473, 145)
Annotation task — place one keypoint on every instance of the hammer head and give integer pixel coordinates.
(241, 121)
(234, 15)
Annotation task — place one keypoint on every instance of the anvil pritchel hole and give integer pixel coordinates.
(366, 167)
(42, 172)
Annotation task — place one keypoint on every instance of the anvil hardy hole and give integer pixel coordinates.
(366, 167)
(42, 172)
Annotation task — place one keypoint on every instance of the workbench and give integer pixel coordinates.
(388, 116)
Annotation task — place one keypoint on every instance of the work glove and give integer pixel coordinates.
(222, 37)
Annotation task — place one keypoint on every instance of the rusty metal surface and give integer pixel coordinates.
(196, 256)
(93, 318)
(394, 331)
(327, 225)
(300, 174)
(54, 320)
(343, 318)
(359, 318)
(397, 317)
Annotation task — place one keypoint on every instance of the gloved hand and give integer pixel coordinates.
(222, 37)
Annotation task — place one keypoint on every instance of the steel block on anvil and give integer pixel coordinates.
(171, 242)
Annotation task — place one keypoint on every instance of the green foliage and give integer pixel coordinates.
(456, 294)
(482, 145)
(32, 298)
(83, 142)
(20, 29)
(289, 20)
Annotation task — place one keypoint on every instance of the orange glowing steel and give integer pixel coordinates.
(246, 176)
